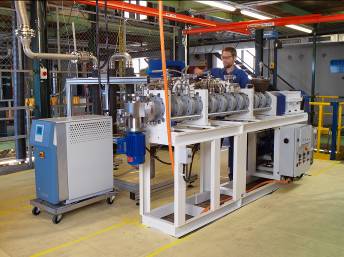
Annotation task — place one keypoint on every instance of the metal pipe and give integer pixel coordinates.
(20, 7)
(25, 33)
(314, 63)
(58, 37)
(75, 48)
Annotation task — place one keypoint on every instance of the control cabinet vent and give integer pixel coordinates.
(86, 131)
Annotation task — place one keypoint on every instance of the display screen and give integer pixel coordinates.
(39, 130)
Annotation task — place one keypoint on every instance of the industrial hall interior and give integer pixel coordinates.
(134, 128)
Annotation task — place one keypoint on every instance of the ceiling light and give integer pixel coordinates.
(263, 17)
(255, 15)
(218, 4)
(296, 27)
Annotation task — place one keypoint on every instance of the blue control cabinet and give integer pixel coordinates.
(73, 158)
(45, 153)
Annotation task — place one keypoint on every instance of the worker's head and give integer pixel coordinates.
(228, 56)
(199, 70)
(197, 67)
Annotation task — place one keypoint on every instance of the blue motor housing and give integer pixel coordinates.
(134, 146)
(156, 64)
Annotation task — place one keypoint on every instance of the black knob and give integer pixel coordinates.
(286, 140)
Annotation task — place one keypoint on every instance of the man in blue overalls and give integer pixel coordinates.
(228, 57)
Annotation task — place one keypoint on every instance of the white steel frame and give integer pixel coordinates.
(210, 187)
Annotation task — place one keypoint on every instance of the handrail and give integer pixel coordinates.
(320, 103)
(246, 65)
(278, 76)
(281, 78)
(336, 127)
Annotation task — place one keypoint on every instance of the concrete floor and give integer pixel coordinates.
(300, 219)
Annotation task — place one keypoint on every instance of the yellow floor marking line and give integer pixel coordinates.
(167, 246)
(179, 241)
(321, 171)
(15, 200)
(86, 237)
(10, 211)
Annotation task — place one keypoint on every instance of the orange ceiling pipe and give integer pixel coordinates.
(123, 6)
(245, 25)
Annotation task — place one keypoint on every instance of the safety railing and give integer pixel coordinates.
(335, 130)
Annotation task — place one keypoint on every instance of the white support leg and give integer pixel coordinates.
(276, 162)
(179, 189)
(205, 150)
(215, 174)
(239, 167)
(252, 153)
(145, 187)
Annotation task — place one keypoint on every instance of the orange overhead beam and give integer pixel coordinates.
(123, 6)
(293, 20)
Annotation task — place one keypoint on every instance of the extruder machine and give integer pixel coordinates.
(264, 127)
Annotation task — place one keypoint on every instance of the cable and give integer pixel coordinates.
(164, 72)
(266, 182)
(195, 149)
(157, 158)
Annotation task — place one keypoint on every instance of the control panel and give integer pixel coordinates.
(296, 150)
(39, 130)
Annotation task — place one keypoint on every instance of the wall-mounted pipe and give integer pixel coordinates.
(25, 33)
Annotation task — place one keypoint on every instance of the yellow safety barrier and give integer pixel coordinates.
(322, 102)
(323, 97)
(340, 125)
(321, 129)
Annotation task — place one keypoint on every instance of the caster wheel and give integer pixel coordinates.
(36, 211)
(110, 200)
(138, 203)
(57, 218)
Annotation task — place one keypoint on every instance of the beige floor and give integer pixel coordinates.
(300, 219)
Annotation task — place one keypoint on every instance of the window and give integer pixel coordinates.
(141, 16)
(139, 64)
(126, 14)
(138, 16)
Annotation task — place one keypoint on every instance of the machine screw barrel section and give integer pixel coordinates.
(146, 108)
(261, 100)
